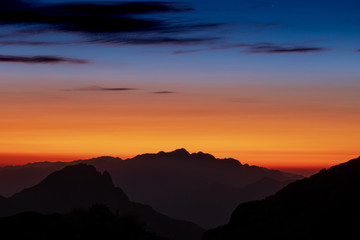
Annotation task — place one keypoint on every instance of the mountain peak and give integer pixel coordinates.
(80, 173)
(203, 156)
(181, 152)
(74, 186)
(80, 187)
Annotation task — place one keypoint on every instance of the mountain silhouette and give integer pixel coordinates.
(81, 186)
(324, 206)
(196, 187)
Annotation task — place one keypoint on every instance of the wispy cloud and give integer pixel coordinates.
(276, 49)
(183, 41)
(31, 43)
(268, 48)
(98, 88)
(164, 92)
(40, 60)
(105, 22)
(224, 47)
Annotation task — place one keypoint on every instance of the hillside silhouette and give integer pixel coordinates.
(196, 187)
(80, 187)
(324, 206)
(96, 223)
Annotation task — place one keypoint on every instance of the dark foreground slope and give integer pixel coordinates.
(80, 187)
(324, 206)
(96, 223)
(196, 187)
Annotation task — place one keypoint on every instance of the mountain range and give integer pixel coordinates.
(195, 187)
(79, 187)
(79, 202)
(323, 206)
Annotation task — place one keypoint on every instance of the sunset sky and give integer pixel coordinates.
(271, 83)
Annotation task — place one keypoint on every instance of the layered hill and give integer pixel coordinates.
(324, 206)
(80, 187)
(96, 223)
(196, 187)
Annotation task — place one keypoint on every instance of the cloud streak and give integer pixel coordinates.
(271, 48)
(164, 92)
(106, 22)
(98, 88)
(40, 60)
(225, 47)
(116, 89)
(30, 43)
(183, 41)
(265, 48)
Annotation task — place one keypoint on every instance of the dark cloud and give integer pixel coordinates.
(164, 92)
(190, 51)
(40, 60)
(107, 22)
(273, 49)
(268, 48)
(98, 88)
(30, 43)
(118, 89)
(155, 41)
(224, 47)
(119, 8)
(358, 50)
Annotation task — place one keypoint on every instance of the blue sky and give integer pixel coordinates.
(331, 26)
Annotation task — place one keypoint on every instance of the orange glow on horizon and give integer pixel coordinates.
(304, 164)
(275, 129)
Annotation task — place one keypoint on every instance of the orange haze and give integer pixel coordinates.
(272, 126)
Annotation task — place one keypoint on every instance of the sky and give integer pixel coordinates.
(270, 83)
